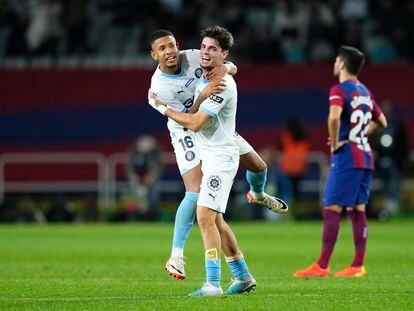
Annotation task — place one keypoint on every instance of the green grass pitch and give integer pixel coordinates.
(121, 267)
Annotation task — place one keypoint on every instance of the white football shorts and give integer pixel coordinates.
(218, 176)
(244, 146)
(186, 151)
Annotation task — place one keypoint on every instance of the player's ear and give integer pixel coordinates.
(225, 54)
(178, 46)
(154, 55)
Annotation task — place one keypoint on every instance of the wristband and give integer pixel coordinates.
(162, 109)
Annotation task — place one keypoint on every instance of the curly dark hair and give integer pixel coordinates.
(220, 34)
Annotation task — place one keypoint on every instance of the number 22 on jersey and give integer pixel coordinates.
(360, 121)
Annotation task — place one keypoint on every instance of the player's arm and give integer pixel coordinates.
(194, 122)
(377, 124)
(334, 124)
(219, 72)
(213, 87)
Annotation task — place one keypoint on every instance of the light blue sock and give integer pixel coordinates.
(257, 181)
(213, 271)
(184, 219)
(239, 269)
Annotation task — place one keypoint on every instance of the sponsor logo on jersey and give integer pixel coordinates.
(198, 72)
(189, 82)
(216, 98)
(214, 183)
(189, 155)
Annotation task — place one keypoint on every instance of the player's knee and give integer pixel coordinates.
(204, 219)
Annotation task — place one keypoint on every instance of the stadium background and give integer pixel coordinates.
(74, 76)
(79, 84)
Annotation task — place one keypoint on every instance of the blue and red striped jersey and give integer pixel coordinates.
(359, 108)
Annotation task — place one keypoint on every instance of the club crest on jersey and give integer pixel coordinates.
(198, 72)
(216, 98)
(189, 155)
(214, 183)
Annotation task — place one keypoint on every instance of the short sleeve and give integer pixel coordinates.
(336, 96)
(376, 111)
(193, 56)
(213, 104)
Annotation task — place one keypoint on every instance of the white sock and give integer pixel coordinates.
(177, 252)
(257, 195)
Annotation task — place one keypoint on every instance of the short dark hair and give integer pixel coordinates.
(159, 34)
(220, 34)
(353, 58)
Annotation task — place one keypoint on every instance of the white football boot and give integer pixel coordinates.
(175, 267)
(274, 204)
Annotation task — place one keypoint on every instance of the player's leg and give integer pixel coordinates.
(243, 281)
(215, 188)
(341, 190)
(189, 165)
(357, 216)
(212, 244)
(256, 176)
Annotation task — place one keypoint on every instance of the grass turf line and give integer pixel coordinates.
(120, 267)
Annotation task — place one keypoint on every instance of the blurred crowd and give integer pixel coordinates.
(291, 31)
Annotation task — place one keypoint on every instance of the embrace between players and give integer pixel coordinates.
(196, 91)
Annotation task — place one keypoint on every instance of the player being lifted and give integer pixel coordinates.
(214, 125)
(174, 83)
(353, 116)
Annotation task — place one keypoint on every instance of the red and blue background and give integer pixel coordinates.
(105, 110)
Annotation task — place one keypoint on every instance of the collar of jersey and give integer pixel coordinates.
(203, 79)
(173, 76)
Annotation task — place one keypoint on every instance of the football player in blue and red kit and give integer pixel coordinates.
(353, 116)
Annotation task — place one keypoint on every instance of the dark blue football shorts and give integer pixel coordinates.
(347, 187)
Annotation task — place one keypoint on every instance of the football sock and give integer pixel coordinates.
(257, 182)
(360, 230)
(184, 220)
(213, 267)
(238, 267)
(331, 221)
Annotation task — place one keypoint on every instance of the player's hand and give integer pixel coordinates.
(338, 146)
(215, 86)
(217, 72)
(155, 103)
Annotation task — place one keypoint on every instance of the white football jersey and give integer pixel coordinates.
(178, 90)
(217, 136)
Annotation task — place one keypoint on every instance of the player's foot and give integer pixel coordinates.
(313, 271)
(274, 204)
(352, 271)
(175, 267)
(207, 290)
(238, 286)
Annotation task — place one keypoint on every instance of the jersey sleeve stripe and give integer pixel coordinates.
(209, 112)
(335, 97)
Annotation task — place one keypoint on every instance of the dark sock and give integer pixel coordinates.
(331, 221)
(360, 230)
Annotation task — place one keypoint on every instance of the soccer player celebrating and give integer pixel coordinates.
(353, 116)
(214, 125)
(174, 83)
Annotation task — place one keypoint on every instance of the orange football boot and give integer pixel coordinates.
(352, 271)
(313, 271)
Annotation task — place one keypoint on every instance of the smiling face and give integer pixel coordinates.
(165, 51)
(211, 54)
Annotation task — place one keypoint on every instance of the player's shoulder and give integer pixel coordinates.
(192, 56)
(190, 52)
